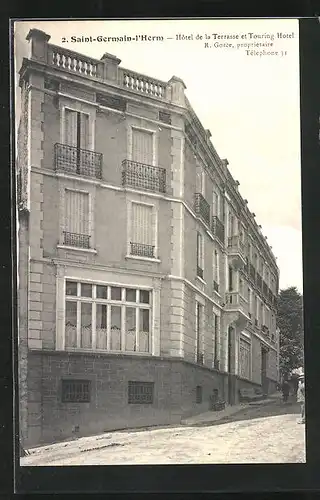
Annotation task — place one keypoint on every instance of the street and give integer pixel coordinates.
(264, 434)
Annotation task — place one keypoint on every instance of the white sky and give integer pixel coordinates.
(249, 103)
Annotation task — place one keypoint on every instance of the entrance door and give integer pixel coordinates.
(264, 379)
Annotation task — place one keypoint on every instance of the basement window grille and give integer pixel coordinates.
(75, 391)
(198, 394)
(140, 392)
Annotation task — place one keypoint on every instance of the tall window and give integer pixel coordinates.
(200, 180)
(76, 219)
(250, 302)
(216, 270)
(262, 314)
(258, 318)
(76, 129)
(142, 146)
(231, 283)
(241, 287)
(142, 241)
(199, 332)
(216, 204)
(107, 318)
(244, 359)
(216, 327)
(200, 255)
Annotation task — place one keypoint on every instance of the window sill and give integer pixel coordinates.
(201, 280)
(138, 257)
(77, 249)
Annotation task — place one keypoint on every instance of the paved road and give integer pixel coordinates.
(268, 434)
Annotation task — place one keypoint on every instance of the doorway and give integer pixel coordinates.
(264, 378)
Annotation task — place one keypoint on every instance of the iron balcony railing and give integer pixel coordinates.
(202, 208)
(76, 240)
(199, 272)
(142, 250)
(217, 228)
(140, 175)
(216, 286)
(74, 160)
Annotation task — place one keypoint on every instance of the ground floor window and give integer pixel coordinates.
(245, 359)
(140, 392)
(106, 317)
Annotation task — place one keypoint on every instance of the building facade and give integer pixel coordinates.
(145, 282)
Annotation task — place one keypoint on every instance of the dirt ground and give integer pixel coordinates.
(267, 434)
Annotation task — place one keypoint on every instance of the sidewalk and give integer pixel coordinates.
(214, 416)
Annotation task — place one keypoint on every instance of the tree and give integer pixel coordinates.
(290, 324)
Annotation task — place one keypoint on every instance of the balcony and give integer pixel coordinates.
(73, 160)
(236, 252)
(237, 309)
(202, 208)
(142, 176)
(142, 250)
(217, 228)
(76, 240)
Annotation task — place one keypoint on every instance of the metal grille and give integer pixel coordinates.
(112, 102)
(140, 392)
(199, 272)
(78, 161)
(75, 391)
(142, 250)
(198, 394)
(218, 228)
(76, 240)
(165, 117)
(216, 286)
(202, 208)
(143, 176)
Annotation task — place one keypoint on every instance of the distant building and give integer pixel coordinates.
(145, 282)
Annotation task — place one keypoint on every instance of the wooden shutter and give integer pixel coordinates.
(142, 147)
(84, 131)
(76, 212)
(142, 224)
(70, 137)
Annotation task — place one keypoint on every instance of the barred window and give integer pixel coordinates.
(75, 391)
(245, 359)
(104, 317)
(140, 392)
(198, 394)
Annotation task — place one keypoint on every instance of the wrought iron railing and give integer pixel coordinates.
(143, 176)
(216, 286)
(142, 250)
(200, 272)
(79, 161)
(217, 228)
(202, 208)
(76, 240)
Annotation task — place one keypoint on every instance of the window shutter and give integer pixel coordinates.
(142, 147)
(76, 212)
(142, 224)
(70, 127)
(84, 131)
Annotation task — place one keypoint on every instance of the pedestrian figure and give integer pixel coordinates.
(301, 398)
(285, 390)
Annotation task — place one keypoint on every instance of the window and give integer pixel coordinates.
(199, 333)
(216, 271)
(140, 392)
(142, 241)
(250, 301)
(76, 219)
(200, 255)
(200, 180)
(257, 311)
(76, 129)
(75, 391)
(230, 279)
(244, 359)
(198, 394)
(262, 316)
(241, 287)
(142, 146)
(216, 204)
(108, 318)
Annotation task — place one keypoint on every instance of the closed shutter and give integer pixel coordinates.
(70, 128)
(84, 131)
(142, 147)
(199, 180)
(142, 227)
(76, 212)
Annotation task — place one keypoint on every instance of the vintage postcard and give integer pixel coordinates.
(158, 180)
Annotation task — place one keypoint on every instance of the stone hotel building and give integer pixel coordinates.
(146, 287)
